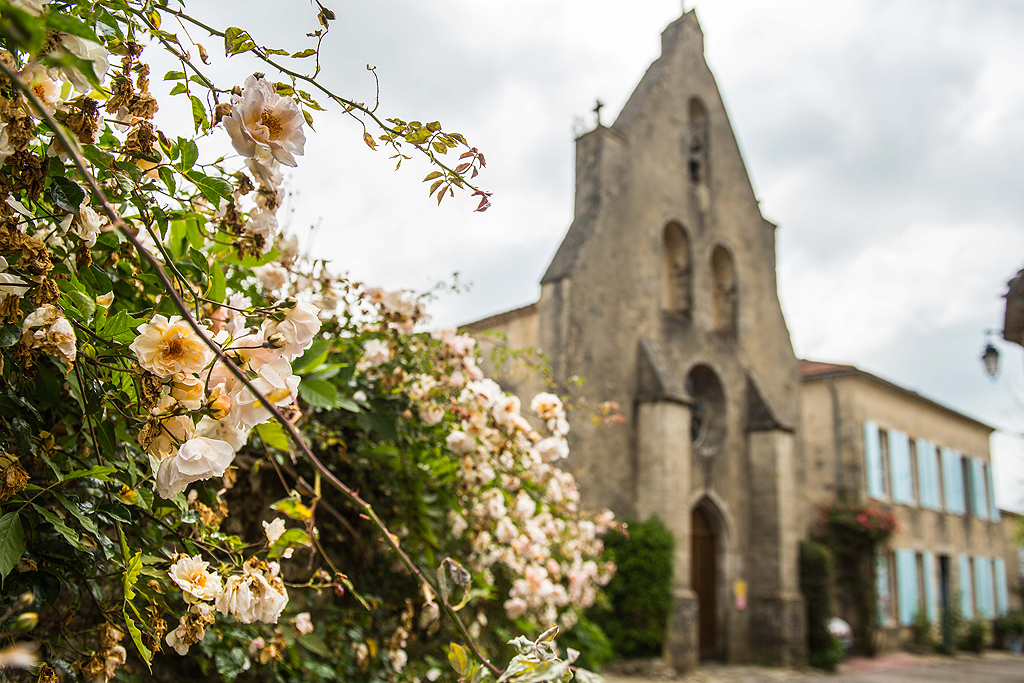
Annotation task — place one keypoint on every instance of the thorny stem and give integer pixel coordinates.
(179, 303)
(349, 105)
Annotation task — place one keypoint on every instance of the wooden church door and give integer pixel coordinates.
(703, 578)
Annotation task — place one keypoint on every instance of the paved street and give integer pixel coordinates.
(896, 668)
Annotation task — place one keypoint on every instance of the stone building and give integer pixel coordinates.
(663, 296)
(931, 466)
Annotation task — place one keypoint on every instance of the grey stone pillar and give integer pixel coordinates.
(663, 486)
(777, 617)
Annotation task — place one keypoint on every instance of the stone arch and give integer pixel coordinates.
(710, 543)
(698, 139)
(724, 297)
(676, 272)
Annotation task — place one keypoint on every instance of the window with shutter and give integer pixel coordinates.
(983, 587)
(906, 585)
(931, 597)
(953, 479)
(882, 587)
(966, 587)
(899, 463)
(992, 504)
(979, 501)
(1002, 597)
(873, 461)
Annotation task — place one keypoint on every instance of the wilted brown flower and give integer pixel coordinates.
(28, 171)
(140, 139)
(47, 292)
(83, 120)
(10, 310)
(13, 477)
(35, 257)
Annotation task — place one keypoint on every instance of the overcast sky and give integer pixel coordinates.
(884, 137)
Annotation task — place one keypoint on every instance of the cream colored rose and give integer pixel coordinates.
(89, 51)
(274, 530)
(191, 576)
(166, 347)
(271, 276)
(198, 458)
(262, 118)
(300, 324)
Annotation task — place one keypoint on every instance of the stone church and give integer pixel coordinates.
(663, 297)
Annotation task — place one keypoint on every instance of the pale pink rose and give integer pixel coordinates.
(303, 623)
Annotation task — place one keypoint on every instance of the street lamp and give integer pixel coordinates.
(990, 358)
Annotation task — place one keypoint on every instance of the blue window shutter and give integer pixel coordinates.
(906, 585)
(954, 477)
(931, 598)
(925, 477)
(882, 586)
(993, 505)
(966, 588)
(935, 481)
(983, 587)
(979, 501)
(899, 464)
(1001, 594)
(873, 460)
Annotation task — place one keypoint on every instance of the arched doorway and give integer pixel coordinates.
(704, 580)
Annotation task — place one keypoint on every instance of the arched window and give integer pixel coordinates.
(698, 140)
(676, 274)
(723, 295)
(707, 416)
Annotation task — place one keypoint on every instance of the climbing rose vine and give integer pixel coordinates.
(220, 458)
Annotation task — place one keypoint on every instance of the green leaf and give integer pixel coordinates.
(63, 529)
(97, 156)
(212, 188)
(101, 472)
(136, 635)
(418, 136)
(178, 89)
(291, 538)
(318, 392)
(199, 113)
(67, 194)
(85, 304)
(292, 508)
(236, 41)
(174, 76)
(25, 30)
(199, 259)
(314, 644)
(12, 543)
(190, 153)
(167, 175)
(348, 404)
(308, 52)
(218, 284)
(131, 575)
(457, 658)
(312, 358)
(67, 23)
(9, 336)
(273, 434)
(87, 523)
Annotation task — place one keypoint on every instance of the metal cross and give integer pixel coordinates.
(597, 110)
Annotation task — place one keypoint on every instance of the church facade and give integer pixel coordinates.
(663, 296)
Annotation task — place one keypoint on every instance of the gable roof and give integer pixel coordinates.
(811, 370)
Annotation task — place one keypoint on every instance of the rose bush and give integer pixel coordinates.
(218, 457)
